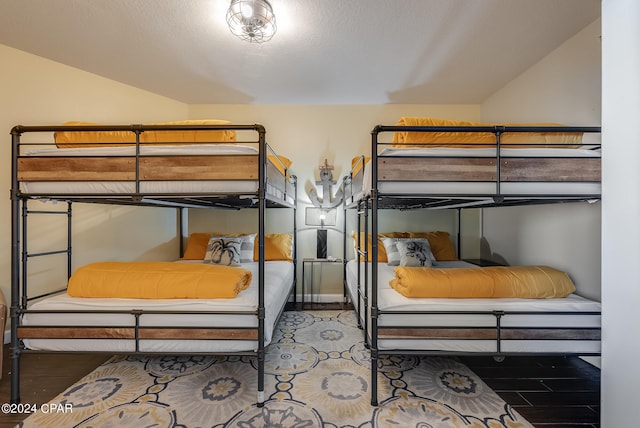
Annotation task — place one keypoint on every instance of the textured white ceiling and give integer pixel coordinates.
(325, 51)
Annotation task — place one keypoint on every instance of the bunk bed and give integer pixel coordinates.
(419, 164)
(177, 165)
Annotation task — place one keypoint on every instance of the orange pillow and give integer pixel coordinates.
(357, 163)
(197, 246)
(277, 246)
(441, 246)
(281, 163)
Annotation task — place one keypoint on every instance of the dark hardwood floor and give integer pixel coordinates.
(550, 392)
(43, 377)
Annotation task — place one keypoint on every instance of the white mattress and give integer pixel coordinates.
(147, 187)
(447, 188)
(389, 299)
(278, 280)
(150, 150)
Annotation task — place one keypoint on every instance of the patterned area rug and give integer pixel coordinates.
(317, 375)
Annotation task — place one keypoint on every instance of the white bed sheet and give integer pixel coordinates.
(149, 150)
(148, 187)
(447, 188)
(278, 281)
(389, 299)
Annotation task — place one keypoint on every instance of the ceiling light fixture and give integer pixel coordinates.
(252, 20)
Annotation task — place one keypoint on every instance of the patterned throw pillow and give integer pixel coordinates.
(415, 252)
(224, 250)
(393, 253)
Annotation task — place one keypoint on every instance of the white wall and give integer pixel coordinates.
(36, 91)
(565, 236)
(564, 87)
(620, 212)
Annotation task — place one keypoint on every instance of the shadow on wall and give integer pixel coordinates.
(487, 254)
(166, 251)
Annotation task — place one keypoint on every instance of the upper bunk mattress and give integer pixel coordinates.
(193, 183)
(458, 181)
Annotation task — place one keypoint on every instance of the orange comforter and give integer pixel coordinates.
(532, 282)
(158, 280)
(464, 139)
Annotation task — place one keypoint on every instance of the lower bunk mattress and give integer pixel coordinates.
(475, 320)
(234, 313)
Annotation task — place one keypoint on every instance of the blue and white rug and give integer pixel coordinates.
(317, 375)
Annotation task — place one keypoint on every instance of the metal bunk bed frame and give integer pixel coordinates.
(20, 254)
(367, 216)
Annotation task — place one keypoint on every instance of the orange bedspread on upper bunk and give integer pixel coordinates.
(463, 139)
(90, 139)
(531, 282)
(78, 139)
(158, 280)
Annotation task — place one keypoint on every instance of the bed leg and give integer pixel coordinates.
(15, 375)
(260, 402)
(374, 377)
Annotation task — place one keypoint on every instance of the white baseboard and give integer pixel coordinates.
(321, 298)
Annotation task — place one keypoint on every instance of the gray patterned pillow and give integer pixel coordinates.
(393, 256)
(246, 250)
(224, 250)
(415, 252)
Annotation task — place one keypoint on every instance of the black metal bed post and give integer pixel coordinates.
(262, 172)
(345, 292)
(357, 255)
(459, 232)
(359, 293)
(69, 240)
(295, 236)
(498, 131)
(24, 254)
(363, 221)
(374, 267)
(137, 131)
(180, 221)
(15, 268)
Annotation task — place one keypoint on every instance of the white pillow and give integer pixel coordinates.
(224, 250)
(415, 252)
(393, 256)
(246, 249)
